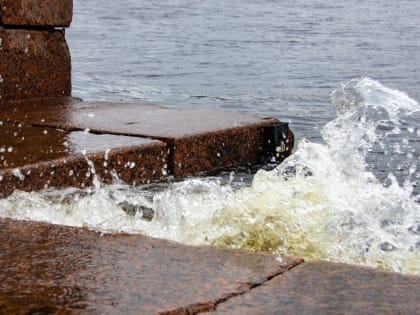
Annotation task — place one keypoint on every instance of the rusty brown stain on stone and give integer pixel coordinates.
(330, 288)
(34, 64)
(201, 140)
(64, 269)
(40, 13)
(33, 158)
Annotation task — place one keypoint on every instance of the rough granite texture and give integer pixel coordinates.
(330, 288)
(34, 64)
(200, 140)
(38, 13)
(33, 158)
(62, 270)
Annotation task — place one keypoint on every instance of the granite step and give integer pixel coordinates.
(198, 140)
(51, 269)
(329, 288)
(34, 158)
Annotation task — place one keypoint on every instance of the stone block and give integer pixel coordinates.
(200, 140)
(51, 269)
(34, 64)
(33, 158)
(38, 13)
(330, 288)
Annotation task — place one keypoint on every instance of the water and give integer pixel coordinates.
(278, 58)
(345, 77)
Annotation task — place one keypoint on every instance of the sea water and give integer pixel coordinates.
(345, 77)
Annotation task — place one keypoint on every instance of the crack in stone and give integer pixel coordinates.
(209, 306)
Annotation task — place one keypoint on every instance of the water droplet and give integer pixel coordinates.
(106, 156)
(17, 173)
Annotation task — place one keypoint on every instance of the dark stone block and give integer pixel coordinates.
(40, 13)
(34, 64)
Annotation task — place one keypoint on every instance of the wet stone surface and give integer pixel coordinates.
(201, 140)
(41, 13)
(57, 269)
(329, 288)
(34, 64)
(32, 158)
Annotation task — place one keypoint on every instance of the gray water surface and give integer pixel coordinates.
(276, 58)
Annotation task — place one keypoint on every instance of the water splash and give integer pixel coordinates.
(352, 198)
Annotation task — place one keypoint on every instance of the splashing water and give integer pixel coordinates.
(353, 198)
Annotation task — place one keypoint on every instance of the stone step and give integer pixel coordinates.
(51, 269)
(33, 158)
(199, 140)
(36, 13)
(330, 288)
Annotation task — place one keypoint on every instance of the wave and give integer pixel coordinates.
(352, 198)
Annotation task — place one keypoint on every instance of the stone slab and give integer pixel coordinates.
(200, 139)
(33, 158)
(40, 13)
(34, 64)
(329, 288)
(49, 269)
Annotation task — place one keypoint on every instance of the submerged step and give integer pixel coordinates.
(33, 158)
(201, 140)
